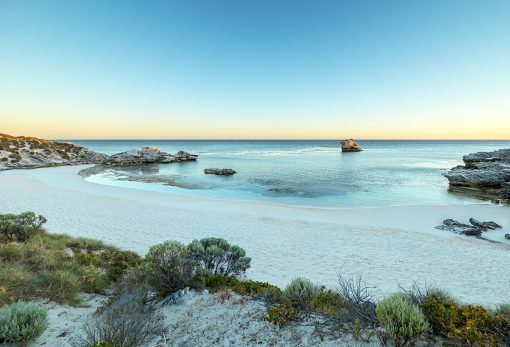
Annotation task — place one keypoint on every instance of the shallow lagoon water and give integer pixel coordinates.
(308, 173)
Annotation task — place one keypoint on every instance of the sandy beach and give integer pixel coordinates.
(389, 246)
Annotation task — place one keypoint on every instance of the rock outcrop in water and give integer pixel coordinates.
(485, 174)
(476, 228)
(20, 152)
(220, 172)
(351, 146)
(147, 155)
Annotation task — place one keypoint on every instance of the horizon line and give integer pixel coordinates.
(269, 139)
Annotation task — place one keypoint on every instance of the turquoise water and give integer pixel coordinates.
(310, 173)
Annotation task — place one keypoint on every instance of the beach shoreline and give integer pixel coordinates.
(390, 246)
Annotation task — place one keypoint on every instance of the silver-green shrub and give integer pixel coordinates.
(171, 268)
(20, 227)
(21, 322)
(403, 321)
(218, 257)
(301, 292)
(128, 319)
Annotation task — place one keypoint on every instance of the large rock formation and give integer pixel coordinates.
(19, 152)
(351, 146)
(147, 155)
(485, 174)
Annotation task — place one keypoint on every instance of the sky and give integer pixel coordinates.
(279, 69)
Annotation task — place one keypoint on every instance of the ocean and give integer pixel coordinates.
(307, 173)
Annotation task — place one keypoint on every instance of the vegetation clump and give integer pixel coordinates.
(257, 290)
(283, 314)
(472, 325)
(170, 268)
(20, 227)
(301, 292)
(21, 322)
(219, 257)
(54, 266)
(403, 321)
(129, 319)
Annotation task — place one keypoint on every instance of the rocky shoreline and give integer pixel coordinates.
(483, 175)
(20, 152)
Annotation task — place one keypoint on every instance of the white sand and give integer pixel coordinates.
(387, 244)
(221, 319)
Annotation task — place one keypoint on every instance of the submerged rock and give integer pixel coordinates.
(220, 172)
(20, 152)
(507, 236)
(475, 229)
(147, 155)
(351, 146)
(485, 174)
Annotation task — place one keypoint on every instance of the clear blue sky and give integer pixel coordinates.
(255, 69)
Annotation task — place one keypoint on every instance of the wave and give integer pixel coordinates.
(437, 164)
(270, 153)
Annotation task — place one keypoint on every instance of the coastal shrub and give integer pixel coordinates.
(16, 283)
(442, 312)
(171, 268)
(257, 290)
(11, 251)
(60, 286)
(93, 280)
(358, 299)
(127, 320)
(57, 266)
(472, 325)
(301, 292)
(21, 322)
(402, 320)
(20, 227)
(218, 257)
(283, 314)
(328, 303)
(114, 262)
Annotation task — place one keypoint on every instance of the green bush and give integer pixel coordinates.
(171, 268)
(16, 283)
(60, 286)
(283, 314)
(442, 312)
(403, 321)
(57, 266)
(93, 280)
(328, 303)
(114, 262)
(301, 292)
(20, 227)
(472, 325)
(257, 290)
(218, 257)
(21, 322)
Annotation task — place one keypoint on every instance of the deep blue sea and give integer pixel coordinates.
(310, 173)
